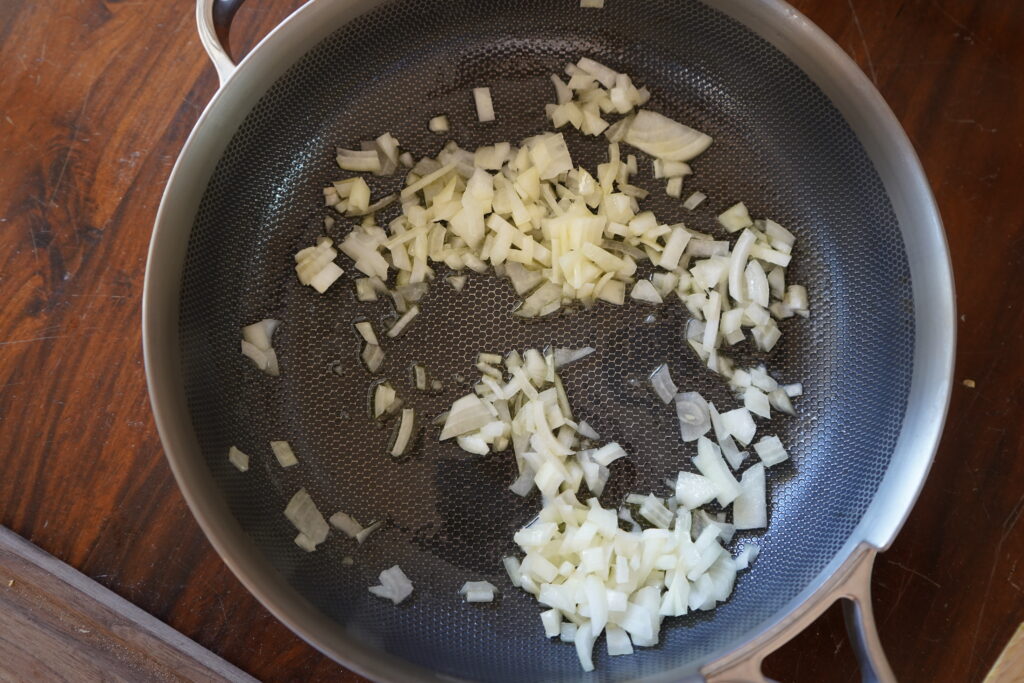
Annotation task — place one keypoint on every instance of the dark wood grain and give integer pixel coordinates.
(58, 624)
(96, 99)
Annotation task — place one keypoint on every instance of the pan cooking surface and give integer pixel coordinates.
(779, 146)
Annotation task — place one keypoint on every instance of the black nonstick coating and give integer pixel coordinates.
(780, 146)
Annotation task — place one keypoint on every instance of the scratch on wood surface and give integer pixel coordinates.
(29, 341)
(915, 573)
(864, 42)
(75, 128)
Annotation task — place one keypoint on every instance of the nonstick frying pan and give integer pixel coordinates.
(800, 136)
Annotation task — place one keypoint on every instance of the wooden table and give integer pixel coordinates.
(96, 99)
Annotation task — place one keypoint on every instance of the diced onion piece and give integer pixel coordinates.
(739, 424)
(261, 334)
(735, 217)
(644, 291)
(738, 264)
(304, 542)
(394, 585)
(586, 431)
(608, 454)
(584, 641)
(368, 531)
(239, 459)
(693, 414)
(694, 200)
(674, 187)
(439, 124)
(403, 437)
(284, 453)
(346, 524)
(457, 282)
(664, 138)
(303, 514)
(467, 414)
(694, 490)
(778, 235)
(710, 463)
(404, 321)
(385, 400)
(552, 620)
(373, 357)
(662, 383)
(484, 105)
(770, 450)
(365, 289)
(655, 512)
(732, 454)
(367, 161)
(365, 330)
(478, 591)
(749, 510)
(512, 568)
(747, 554)
(756, 401)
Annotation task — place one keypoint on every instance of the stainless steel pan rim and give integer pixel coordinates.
(887, 146)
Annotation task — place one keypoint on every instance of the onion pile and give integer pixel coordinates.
(595, 576)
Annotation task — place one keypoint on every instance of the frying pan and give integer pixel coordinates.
(800, 135)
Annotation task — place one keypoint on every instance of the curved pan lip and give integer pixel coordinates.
(789, 31)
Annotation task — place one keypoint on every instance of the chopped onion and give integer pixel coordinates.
(403, 436)
(457, 282)
(439, 124)
(693, 414)
(694, 200)
(478, 591)
(239, 459)
(373, 357)
(484, 105)
(710, 463)
(749, 510)
(284, 453)
(404, 321)
(467, 414)
(394, 585)
(694, 490)
(302, 512)
(367, 531)
(735, 218)
(346, 524)
(770, 450)
(365, 330)
(756, 401)
(662, 383)
(304, 542)
(747, 554)
(586, 431)
(664, 138)
(261, 334)
(644, 291)
(739, 424)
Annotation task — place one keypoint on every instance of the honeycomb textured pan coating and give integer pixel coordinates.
(780, 146)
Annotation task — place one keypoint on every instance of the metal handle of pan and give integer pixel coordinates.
(850, 583)
(214, 20)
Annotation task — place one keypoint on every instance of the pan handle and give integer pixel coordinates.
(214, 20)
(851, 583)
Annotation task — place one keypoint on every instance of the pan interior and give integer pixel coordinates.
(780, 146)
